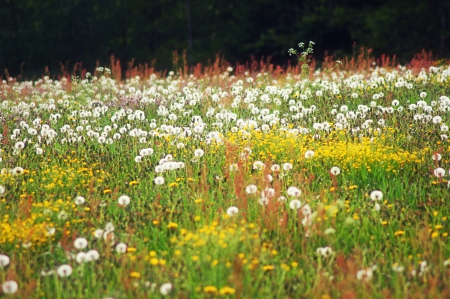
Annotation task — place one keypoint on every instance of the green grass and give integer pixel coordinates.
(179, 232)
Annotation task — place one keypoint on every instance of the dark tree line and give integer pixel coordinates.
(35, 34)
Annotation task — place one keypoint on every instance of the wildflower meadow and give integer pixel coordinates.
(246, 181)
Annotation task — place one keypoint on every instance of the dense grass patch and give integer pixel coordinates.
(258, 185)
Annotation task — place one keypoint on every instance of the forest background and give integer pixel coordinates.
(54, 33)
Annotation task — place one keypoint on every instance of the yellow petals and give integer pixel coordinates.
(172, 225)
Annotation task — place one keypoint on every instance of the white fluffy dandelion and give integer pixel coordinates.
(121, 248)
(64, 270)
(79, 200)
(295, 204)
(231, 211)
(124, 200)
(309, 154)
(165, 288)
(80, 243)
(251, 189)
(4, 260)
(10, 287)
(335, 170)
(376, 195)
(198, 153)
(439, 172)
(159, 180)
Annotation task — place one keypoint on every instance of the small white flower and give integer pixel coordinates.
(79, 200)
(198, 153)
(364, 274)
(436, 157)
(4, 260)
(64, 270)
(306, 210)
(287, 166)
(258, 165)
(233, 167)
(263, 201)
(439, 172)
(309, 154)
(51, 231)
(295, 204)
(109, 236)
(376, 195)
(81, 258)
(121, 248)
(275, 168)
(307, 221)
(282, 198)
(231, 211)
(377, 207)
(165, 288)
(39, 151)
(138, 159)
(10, 287)
(109, 227)
(92, 255)
(63, 215)
(2, 189)
(324, 251)
(437, 119)
(335, 170)
(80, 243)
(251, 189)
(294, 192)
(98, 233)
(19, 145)
(159, 180)
(124, 200)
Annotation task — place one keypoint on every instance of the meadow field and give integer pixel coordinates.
(227, 182)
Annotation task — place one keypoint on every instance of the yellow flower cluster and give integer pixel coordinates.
(25, 231)
(335, 148)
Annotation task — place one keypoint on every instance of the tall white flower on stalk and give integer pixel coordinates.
(121, 248)
(436, 157)
(376, 195)
(165, 288)
(251, 189)
(124, 200)
(324, 251)
(294, 192)
(295, 204)
(198, 153)
(80, 243)
(4, 261)
(366, 274)
(64, 270)
(439, 172)
(231, 211)
(309, 154)
(287, 166)
(335, 170)
(79, 200)
(159, 180)
(10, 287)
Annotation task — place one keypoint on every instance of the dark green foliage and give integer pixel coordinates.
(48, 32)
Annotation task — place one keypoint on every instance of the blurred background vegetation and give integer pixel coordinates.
(36, 34)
